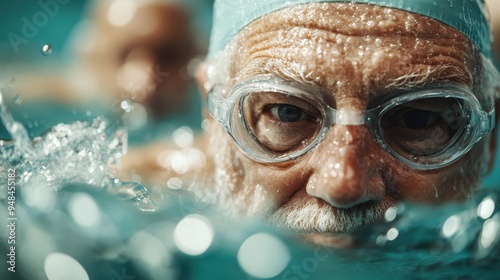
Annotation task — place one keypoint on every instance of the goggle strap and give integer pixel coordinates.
(487, 122)
(218, 108)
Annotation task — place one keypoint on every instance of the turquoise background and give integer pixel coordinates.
(55, 31)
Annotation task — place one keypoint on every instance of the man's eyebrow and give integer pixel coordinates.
(409, 76)
(420, 77)
(291, 73)
(295, 74)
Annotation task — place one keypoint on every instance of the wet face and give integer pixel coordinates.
(139, 52)
(356, 54)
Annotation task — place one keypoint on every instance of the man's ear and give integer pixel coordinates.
(493, 138)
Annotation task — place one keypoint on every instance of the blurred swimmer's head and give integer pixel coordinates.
(138, 50)
(337, 111)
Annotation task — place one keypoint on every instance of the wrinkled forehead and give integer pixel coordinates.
(467, 16)
(315, 39)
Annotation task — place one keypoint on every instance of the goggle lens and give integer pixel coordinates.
(423, 129)
(281, 123)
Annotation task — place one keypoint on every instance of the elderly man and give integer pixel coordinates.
(326, 114)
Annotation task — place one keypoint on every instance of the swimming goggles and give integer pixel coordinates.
(272, 120)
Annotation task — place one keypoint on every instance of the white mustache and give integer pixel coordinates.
(314, 215)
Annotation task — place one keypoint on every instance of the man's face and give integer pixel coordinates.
(140, 53)
(356, 54)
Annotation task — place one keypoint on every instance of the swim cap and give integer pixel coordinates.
(467, 16)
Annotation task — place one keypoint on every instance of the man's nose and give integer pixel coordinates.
(347, 171)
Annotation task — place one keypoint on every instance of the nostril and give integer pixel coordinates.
(348, 191)
(345, 199)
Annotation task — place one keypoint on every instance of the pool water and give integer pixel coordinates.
(70, 219)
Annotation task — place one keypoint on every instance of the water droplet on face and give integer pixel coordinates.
(304, 143)
(46, 50)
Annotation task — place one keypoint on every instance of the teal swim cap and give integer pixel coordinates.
(467, 16)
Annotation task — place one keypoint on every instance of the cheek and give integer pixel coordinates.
(280, 183)
(434, 188)
(458, 181)
(249, 187)
(235, 187)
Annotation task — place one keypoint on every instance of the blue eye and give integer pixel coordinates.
(280, 122)
(416, 118)
(287, 113)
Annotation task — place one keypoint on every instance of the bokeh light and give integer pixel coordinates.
(490, 233)
(451, 226)
(121, 12)
(263, 256)
(391, 214)
(84, 210)
(183, 137)
(59, 266)
(148, 248)
(486, 208)
(392, 234)
(193, 234)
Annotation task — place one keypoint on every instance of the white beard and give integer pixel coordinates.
(308, 214)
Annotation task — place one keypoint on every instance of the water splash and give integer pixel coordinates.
(78, 153)
(23, 141)
(133, 192)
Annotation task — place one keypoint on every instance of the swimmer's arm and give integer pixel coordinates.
(143, 163)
